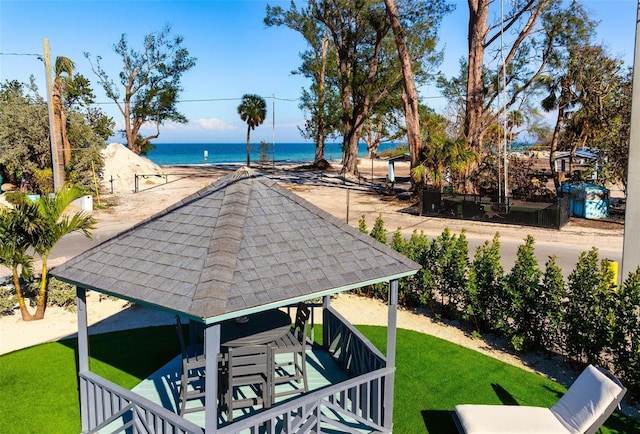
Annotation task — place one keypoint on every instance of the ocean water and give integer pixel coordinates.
(216, 153)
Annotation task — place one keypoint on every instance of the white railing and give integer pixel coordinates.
(124, 411)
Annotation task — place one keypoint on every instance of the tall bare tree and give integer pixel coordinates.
(151, 81)
(409, 93)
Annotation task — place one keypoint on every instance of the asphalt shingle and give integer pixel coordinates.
(239, 243)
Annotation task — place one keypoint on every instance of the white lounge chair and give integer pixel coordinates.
(582, 410)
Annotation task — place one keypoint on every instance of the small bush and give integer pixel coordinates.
(62, 294)
(8, 300)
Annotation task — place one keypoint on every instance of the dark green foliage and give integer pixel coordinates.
(553, 294)
(487, 295)
(445, 270)
(522, 290)
(61, 294)
(587, 320)
(589, 316)
(626, 336)
(362, 225)
(378, 231)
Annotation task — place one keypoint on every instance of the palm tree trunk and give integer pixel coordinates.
(248, 146)
(42, 296)
(26, 315)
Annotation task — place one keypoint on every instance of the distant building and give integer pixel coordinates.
(570, 166)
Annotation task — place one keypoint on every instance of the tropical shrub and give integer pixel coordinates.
(522, 291)
(589, 313)
(486, 294)
(551, 307)
(626, 336)
(8, 300)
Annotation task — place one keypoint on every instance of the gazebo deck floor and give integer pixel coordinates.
(162, 386)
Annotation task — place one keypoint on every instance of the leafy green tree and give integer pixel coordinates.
(319, 64)
(368, 71)
(456, 272)
(416, 291)
(522, 287)
(151, 82)
(54, 224)
(24, 131)
(589, 316)
(253, 111)
(487, 295)
(25, 149)
(626, 339)
(378, 231)
(553, 294)
(362, 225)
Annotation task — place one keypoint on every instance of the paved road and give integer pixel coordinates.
(566, 254)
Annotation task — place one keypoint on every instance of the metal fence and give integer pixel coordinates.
(545, 214)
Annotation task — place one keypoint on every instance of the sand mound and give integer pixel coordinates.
(122, 165)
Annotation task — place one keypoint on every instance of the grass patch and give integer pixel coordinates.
(39, 391)
(434, 375)
(39, 386)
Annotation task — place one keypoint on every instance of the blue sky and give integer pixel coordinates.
(236, 54)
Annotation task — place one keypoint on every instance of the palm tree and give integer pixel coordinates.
(55, 225)
(252, 110)
(17, 231)
(442, 156)
(63, 72)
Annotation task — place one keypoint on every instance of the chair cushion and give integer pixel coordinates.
(588, 398)
(508, 419)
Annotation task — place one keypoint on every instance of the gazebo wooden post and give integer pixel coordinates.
(391, 353)
(212, 349)
(326, 303)
(83, 351)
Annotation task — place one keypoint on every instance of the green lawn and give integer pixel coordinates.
(38, 386)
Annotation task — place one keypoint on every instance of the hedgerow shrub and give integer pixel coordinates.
(587, 319)
(522, 289)
(487, 296)
(626, 336)
(551, 307)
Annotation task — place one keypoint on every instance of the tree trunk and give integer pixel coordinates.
(554, 147)
(42, 296)
(409, 93)
(26, 315)
(248, 146)
(478, 17)
(350, 154)
(320, 134)
(58, 135)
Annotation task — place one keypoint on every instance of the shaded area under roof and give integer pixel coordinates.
(234, 246)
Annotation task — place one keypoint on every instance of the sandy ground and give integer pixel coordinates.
(330, 192)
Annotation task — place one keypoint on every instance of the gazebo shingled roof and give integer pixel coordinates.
(237, 245)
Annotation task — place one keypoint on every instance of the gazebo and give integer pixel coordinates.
(239, 246)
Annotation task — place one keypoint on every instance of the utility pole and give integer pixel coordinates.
(56, 160)
(630, 250)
